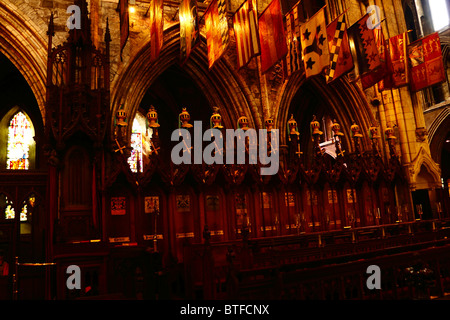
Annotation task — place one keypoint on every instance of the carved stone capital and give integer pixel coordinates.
(421, 134)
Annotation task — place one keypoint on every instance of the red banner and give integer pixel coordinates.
(383, 51)
(271, 36)
(427, 67)
(246, 32)
(396, 63)
(370, 66)
(217, 37)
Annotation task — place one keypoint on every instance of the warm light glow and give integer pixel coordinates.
(20, 137)
(439, 14)
(24, 213)
(132, 9)
(136, 144)
(140, 136)
(9, 212)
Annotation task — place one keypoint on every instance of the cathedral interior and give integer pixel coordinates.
(87, 175)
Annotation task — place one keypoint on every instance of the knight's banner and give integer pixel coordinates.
(246, 32)
(271, 36)
(189, 29)
(314, 44)
(396, 62)
(341, 60)
(427, 67)
(124, 24)
(294, 55)
(156, 28)
(217, 37)
(370, 66)
(383, 53)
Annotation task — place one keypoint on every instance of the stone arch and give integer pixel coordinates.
(423, 178)
(221, 85)
(345, 99)
(437, 133)
(445, 46)
(423, 161)
(24, 44)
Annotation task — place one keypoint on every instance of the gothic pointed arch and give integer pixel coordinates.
(221, 85)
(421, 163)
(23, 42)
(17, 140)
(437, 133)
(343, 99)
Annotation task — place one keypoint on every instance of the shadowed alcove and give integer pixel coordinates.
(172, 91)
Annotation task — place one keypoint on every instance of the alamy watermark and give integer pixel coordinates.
(74, 21)
(74, 280)
(374, 21)
(260, 146)
(374, 280)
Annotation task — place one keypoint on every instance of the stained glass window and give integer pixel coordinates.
(24, 213)
(7, 205)
(139, 136)
(27, 208)
(20, 137)
(10, 213)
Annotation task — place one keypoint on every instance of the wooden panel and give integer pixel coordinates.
(152, 217)
(76, 181)
(214, 210)
(119, 211)
(75, 227)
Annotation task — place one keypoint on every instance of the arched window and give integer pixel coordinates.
(140, 136)
(7, 207)
(24, 213)
(20, 138)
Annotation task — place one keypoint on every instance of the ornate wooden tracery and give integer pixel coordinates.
(77, 85)
(77, 113)
(353, 168)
